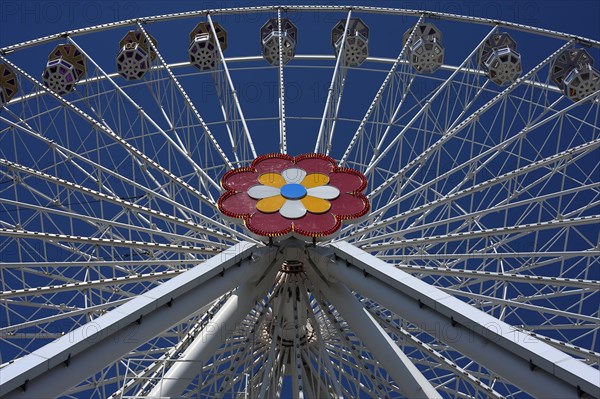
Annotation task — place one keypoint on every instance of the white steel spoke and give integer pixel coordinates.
(238, 139)
(282, 129)
(135, 153)
(108, 225)
(84, 285)
(343, 352)
(182, 151)
(496, 276)
(109, 198)
(487, 301)
(173, 263)
(187, 99)
(50, 237)
(379, 155)
(527, 228)
(496, 255)
(8, 332)
(321, 358)
(334, 97)
(416, 163)
(299, 384)
(473, 215)
(376, 103)
(566, 157)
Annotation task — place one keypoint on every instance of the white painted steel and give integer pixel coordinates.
(334, 96)
(220, 327)
(411, 381)
(487, 197)
(90, 347)
(531, 364)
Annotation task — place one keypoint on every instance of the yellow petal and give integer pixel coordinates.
(271, 204)
(315, 180)
(272, 179)
(315, 205)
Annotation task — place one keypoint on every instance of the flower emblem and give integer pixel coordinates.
(307, 196)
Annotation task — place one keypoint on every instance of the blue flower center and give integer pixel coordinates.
(293, 191)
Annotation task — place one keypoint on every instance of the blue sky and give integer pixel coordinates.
(24, 20)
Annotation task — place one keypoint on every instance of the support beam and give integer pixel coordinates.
(411, 381)
(526, 362)
(54, 368)
(208, 341)
(443, 361)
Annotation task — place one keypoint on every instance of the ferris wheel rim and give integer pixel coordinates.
(266, 9)
(360, 236)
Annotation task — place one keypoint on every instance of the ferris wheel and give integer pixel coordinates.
(300, 201)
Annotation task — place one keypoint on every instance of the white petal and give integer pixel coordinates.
(293, 175)
(324, 192)
(292, 209)
(260, 191)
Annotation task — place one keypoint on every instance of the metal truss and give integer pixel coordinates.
(474, 275)
(85, 350)
(241, 140)
(300, 306)
(518, 357)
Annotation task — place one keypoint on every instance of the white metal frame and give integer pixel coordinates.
(494, 202)
(531, 364)
(411, 381)
(107, 338)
